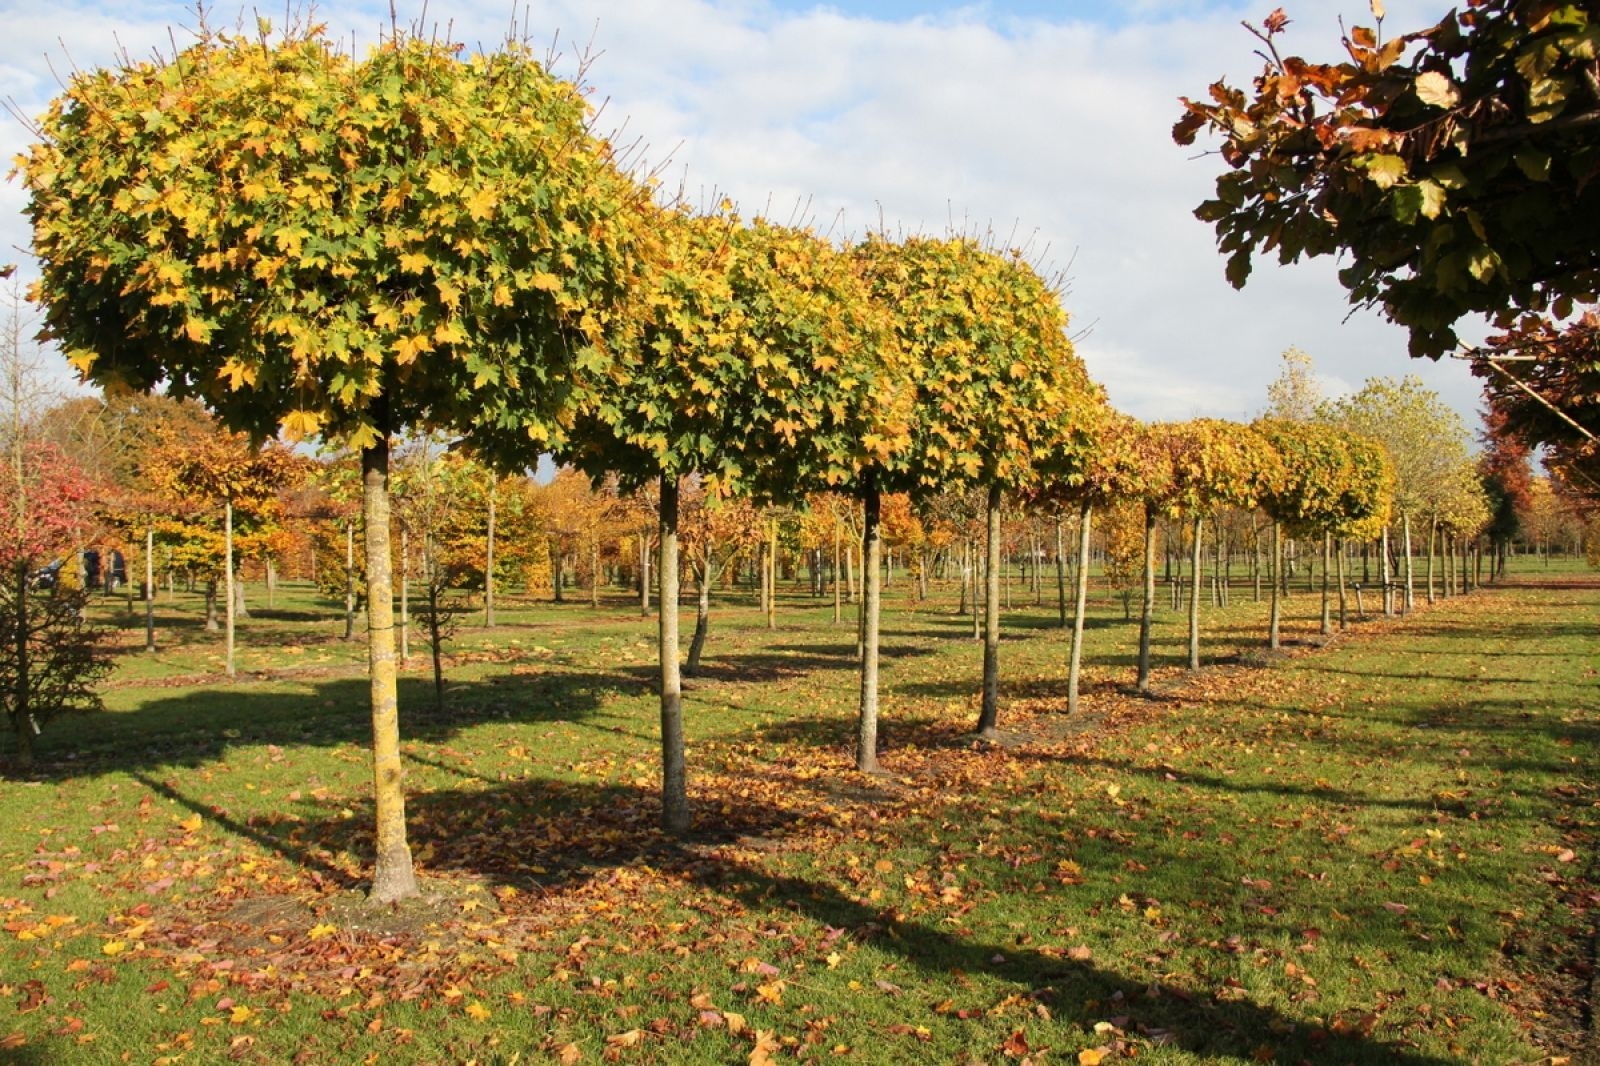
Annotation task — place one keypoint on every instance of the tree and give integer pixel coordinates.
(311, 243)
(998, 387)
(1426, 442)
(202, 473)
(1451, 168)
(1548, 395)
(1110, 471)
(48, 656)
(757, 365)
(1216, 464)
(1321, 489)
(1295, 395)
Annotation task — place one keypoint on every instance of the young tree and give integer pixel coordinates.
(756, 366)
(1426, 441)
(998, 387)
(1450, 168)
(1216, 464)
(1109, 472)
(314, 243)
(48, 656)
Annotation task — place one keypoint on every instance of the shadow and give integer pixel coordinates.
(552, 841)
(324, 712)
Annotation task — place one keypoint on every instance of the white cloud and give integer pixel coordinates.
(1057, 129)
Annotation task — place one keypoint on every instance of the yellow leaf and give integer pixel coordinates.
(478, 1012)
(113, 947)
(190, 824)
(406, 349)
(198, 330)
(480, 205)
(771, 993)
(628, 1039)
(545, 282)
(241, 1014)
(441, 183)
(1091, 1056)
(320, 930)
(414, 262)
(298, 425)
(736, 1022)
(237, 373)
(570, 1054)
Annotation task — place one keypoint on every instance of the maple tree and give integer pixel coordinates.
(1450, 167)
(753, 362)
(1110, 471)
(1216, 464)
(1426, 442)
(1322, 487)
(998, 388)
(315, 244)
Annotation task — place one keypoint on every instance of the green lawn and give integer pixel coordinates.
(1376, 851)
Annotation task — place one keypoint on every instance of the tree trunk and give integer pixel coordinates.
(1405, 534)
(594, 572)
(149, 590)
(488, 567)
(1343, 614)
(1273, 641)
(405, 598)
(1385, 573)
(1075, 664)
(1061, 571)
(393, 877)
(644, 575)
(212, 625)
(988, 716)
(1148, 607)
(674, 772)
(240, 610)
(272, 582)
(230, 608)
(350, 579)
(702, 614)
(837, 605)
(1433, 535)
(22, 721)
(1327, 605)
(772, 573)
(1194, 595)
(871, 554)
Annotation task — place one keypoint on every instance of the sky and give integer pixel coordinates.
(1041, 124)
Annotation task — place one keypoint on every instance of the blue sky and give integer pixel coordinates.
(1040, 123)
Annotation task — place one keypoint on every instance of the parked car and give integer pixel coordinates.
(46, 577)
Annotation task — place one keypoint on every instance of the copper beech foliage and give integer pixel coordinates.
(1451, 167)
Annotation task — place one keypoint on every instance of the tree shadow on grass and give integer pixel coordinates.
(549, 837)
(205, 724)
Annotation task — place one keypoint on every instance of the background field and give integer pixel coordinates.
(1375, 851)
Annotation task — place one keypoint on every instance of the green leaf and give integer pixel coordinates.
(1385, 170)
(1533, 162)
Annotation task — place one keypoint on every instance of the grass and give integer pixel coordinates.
(1372, 852)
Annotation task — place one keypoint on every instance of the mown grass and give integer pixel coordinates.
(1376, 851)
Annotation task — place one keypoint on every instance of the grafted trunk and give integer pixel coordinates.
(1273, 641)
(674, 771)
(1074, 667)
(871, 551)
(1148, 606)
(1061, 571)
(702, 614)
(1327, 561)
(988, 716)
(1194, 595)
(393, 877)
(149, 591)
(1411, 594)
